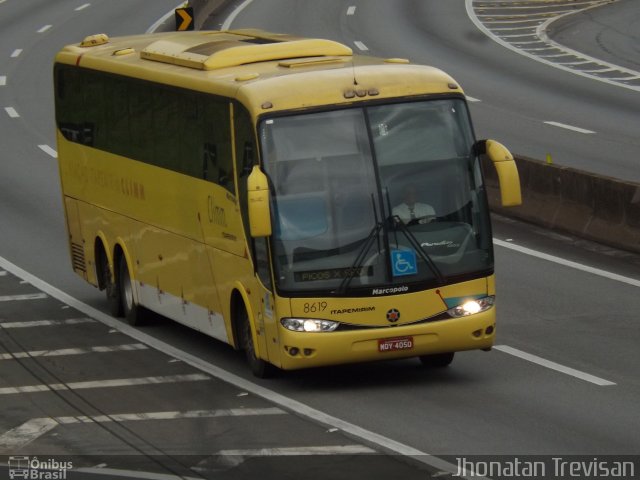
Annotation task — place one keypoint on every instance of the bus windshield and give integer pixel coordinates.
(375, 197)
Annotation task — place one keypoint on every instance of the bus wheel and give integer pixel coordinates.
(111, 287)
(132, 312)
(437, 360)
(259, 367)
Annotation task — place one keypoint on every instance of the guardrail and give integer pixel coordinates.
(595, 207)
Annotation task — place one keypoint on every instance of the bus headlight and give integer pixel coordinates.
(309, 325)
(471, 307)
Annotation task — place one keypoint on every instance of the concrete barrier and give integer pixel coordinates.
(602, 209)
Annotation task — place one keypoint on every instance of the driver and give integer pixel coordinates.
(411, 211)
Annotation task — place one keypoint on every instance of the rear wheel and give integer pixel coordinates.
(131, 311)
(259, 367)
(111, 286)
(438, 360)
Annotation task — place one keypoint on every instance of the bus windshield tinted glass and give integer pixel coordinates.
(375, 196)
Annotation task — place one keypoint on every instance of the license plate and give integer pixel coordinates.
(395, 344)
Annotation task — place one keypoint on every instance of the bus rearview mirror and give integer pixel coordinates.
(507, 170)
(259, 210)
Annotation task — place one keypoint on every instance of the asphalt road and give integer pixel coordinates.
(577, 395)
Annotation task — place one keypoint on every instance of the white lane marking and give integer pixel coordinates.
(534, 7)
(294, 451)
(16, 53)
(570, 127)
(519, 35)
(581, 62)
(11, 112)
(568, 263)
(502, 29)
(27, 432)
(45, 323)
(82, 7)
(74, 351)
(234, 458)
(48, 150)
(18, 298)
(3, 80)
(227, 23)
(44, 29)
(368, 437)
(507, 16)
(535, 21)
(601, 70)
(553, 365)
(351, 10)
(361, 45)
(3, 273)
(163, 19)
(473, 99)
(36, 427)
(529, 42)
(172, 415)
(116, 382)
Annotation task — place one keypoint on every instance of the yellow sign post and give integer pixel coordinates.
(184, 18)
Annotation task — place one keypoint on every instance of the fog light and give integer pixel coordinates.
(489, 330)
(293, 351)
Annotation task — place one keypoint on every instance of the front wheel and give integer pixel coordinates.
(131, 310)
(259, 367)
(438, 360)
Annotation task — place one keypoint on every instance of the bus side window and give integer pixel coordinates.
(217, 160)
(69, 103)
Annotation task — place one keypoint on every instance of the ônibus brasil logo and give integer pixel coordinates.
(34, 469)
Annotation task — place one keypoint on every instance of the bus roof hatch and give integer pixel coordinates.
(215, 50)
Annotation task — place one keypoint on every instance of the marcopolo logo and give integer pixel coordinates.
(35, 469)
(390, 290)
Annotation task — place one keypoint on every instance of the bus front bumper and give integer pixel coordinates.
(304, 349)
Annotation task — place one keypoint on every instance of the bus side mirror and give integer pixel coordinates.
(259, 210)
(508, 177)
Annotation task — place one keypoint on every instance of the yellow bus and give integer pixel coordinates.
(301, 203)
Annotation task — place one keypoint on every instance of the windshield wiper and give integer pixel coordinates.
(357, 263)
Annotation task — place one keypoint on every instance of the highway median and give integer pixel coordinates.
(599, 208)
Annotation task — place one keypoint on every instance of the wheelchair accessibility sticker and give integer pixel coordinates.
(403, 262)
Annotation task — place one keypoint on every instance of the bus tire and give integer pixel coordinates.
(131, 311)
(438, 360)
(109, 283)
(259, 367)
